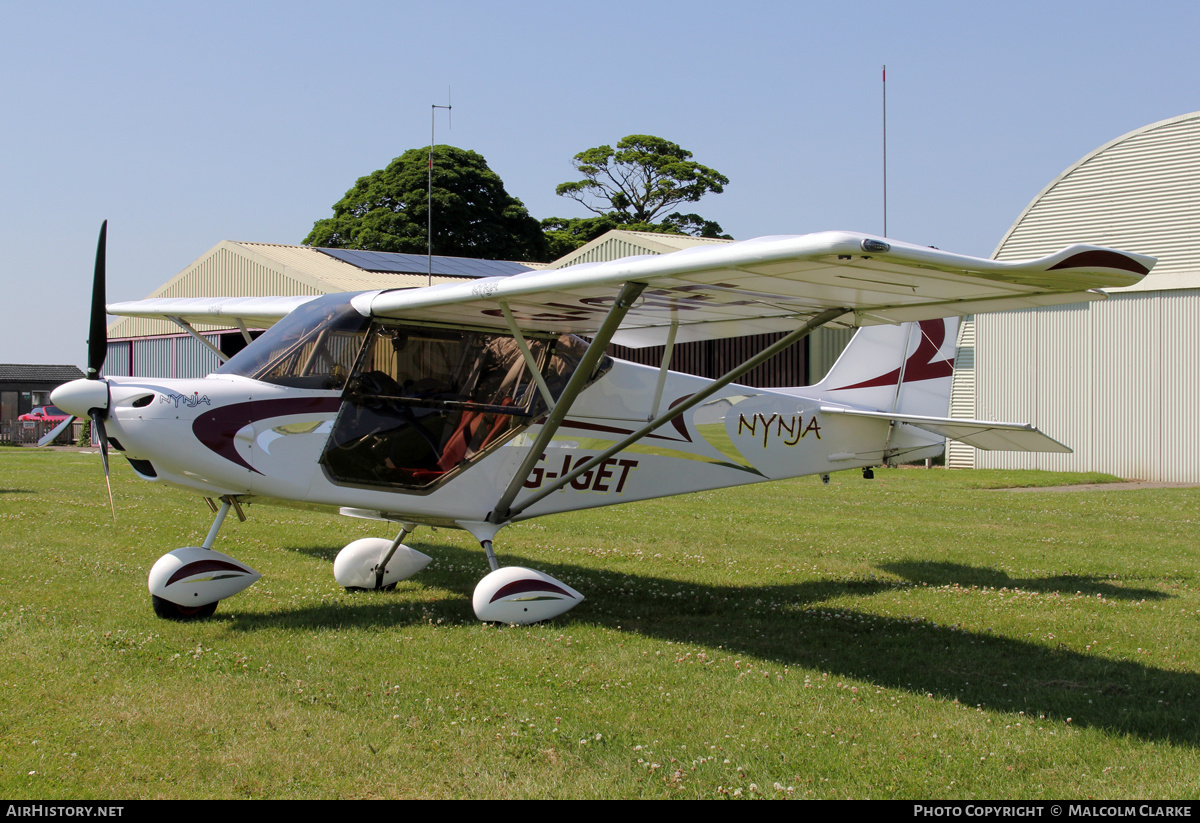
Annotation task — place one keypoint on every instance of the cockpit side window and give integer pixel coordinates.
(424, 402)
(447, 367)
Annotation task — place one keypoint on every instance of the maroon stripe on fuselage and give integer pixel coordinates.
(568, 423)
(216, 428)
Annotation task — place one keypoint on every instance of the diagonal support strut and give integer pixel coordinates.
(699, 397)
(583, 372)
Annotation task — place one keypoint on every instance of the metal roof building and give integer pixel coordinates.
(159, 348)
(1119, 380)
(804, 362)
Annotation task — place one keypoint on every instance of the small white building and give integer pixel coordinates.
(1117, 380)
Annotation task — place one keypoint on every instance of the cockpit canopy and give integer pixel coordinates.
(420, 402)
(424, 402)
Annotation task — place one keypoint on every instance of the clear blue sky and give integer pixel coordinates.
(186, 124)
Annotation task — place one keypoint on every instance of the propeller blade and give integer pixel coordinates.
(102, 435)
(98, 330)
(47, 439)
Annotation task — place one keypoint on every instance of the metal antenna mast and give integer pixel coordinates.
(885, 151)
(429, 196)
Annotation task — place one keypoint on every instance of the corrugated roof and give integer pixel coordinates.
(23, 373)
(618, 243)
(1140, 192)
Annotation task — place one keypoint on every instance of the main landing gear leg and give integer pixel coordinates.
(374, 563)
(187, 584)
(514, 594)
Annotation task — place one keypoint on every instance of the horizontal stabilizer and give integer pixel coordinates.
(988, 435)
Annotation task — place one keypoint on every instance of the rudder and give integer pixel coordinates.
(907, 368)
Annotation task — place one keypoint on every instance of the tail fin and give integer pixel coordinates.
(905, 369)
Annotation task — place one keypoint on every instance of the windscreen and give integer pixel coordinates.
(314, 347)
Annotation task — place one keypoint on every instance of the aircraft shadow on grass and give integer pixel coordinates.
(787, 624)
(931, 573)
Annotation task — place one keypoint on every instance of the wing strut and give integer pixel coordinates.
(187, 327)
(583, 372)
(766, 354)
(662, 371)
(527, 354)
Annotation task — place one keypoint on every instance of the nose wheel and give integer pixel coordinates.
(514, 594)
(173, 611)
(188, 583)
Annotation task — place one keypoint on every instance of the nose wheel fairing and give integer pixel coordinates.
(514, 594)
(193, 577)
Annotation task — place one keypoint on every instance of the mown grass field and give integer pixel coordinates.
(921, 635)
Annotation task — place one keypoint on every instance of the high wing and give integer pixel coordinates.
(765, 285)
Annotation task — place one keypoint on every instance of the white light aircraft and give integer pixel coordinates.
(481, 404)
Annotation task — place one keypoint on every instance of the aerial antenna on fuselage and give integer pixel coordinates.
(429, 204)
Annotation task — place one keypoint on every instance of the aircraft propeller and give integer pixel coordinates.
(90, 397)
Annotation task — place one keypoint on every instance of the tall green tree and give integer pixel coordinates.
(633, 187)
(473, 215)
(643, 179)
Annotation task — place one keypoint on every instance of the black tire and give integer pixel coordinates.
(390, 587)
(173, 611)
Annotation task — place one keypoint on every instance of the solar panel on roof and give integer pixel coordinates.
(399, 263)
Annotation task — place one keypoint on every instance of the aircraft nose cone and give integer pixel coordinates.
(79, 397)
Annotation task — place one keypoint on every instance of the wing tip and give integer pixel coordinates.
(1100, 258)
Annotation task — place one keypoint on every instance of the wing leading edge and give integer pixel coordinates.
(736, 289)
(256, 312)
(769, 284)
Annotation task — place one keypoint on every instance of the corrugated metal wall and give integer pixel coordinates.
(962, 394)
(1117, 381)
(180, 356)
(154, 357)
(714, 358)
(118, 362)
(193, 359)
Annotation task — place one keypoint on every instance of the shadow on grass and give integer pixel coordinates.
(787, 625)
(933, 573)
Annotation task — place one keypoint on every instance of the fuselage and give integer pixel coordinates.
(232, 435)
(430, 423)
